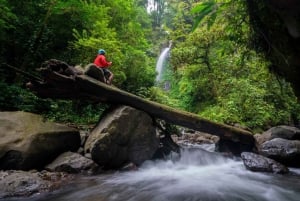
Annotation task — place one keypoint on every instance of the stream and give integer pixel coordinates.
(194, 175)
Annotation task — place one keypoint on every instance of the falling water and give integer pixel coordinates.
(194, 175)
(160, 63)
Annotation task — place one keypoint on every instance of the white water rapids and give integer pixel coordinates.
(196, 175)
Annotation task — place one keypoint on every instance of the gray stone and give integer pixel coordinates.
(30, 142)
(72, 163)
(285, 151)
(259, 163)
(122, 136)
(284, 132)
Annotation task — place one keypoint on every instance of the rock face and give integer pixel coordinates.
(255, 162)
(125, 135)
(29, 142)
(282, 150)
(72, 163)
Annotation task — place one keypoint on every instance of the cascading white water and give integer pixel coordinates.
(160, 63)
(194, 175)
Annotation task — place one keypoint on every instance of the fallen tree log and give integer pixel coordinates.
(79, 86)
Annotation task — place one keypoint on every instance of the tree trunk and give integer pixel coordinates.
(87, 88)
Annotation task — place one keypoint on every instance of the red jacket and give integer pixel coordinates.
(101, 62)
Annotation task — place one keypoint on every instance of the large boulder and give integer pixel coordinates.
(30, 142)
(285, 151)
(284, 132)
(259, 163)
(122, 135)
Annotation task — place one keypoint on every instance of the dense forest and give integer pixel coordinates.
(221, 66)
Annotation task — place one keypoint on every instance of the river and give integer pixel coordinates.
(195, 175)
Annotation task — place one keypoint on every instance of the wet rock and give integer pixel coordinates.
(20, 183)
(259, 163)
(30, 142)
(123, 135)
(284, 132)
(285, 151)
(73, 163)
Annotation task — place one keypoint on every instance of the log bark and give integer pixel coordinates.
(84, 87)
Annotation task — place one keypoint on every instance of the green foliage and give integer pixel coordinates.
(6, 15)
(14, 97)
(201, 10)
(180, 21)
(139, 73)
(39, 32)
(212, 71)
(96, 35)
(121, 31)
(73, 31)
(158, 95)
(78, 112)
(216, 75)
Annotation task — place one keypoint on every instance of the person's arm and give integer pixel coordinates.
(105, 63)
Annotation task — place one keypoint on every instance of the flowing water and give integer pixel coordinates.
(160, 63)
(195, 175)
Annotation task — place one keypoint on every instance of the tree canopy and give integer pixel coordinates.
(223, 55)
(217, 70)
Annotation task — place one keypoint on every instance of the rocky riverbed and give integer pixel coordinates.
(38, 156)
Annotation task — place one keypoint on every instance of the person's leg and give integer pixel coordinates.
(106, 75)
(111, 76)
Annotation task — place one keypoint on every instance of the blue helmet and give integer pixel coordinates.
(101, 51)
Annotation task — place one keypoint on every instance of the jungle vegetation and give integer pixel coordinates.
(217, 68)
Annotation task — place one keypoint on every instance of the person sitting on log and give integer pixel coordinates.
(100, 62)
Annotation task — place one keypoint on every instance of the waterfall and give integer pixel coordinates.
(160, 63)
